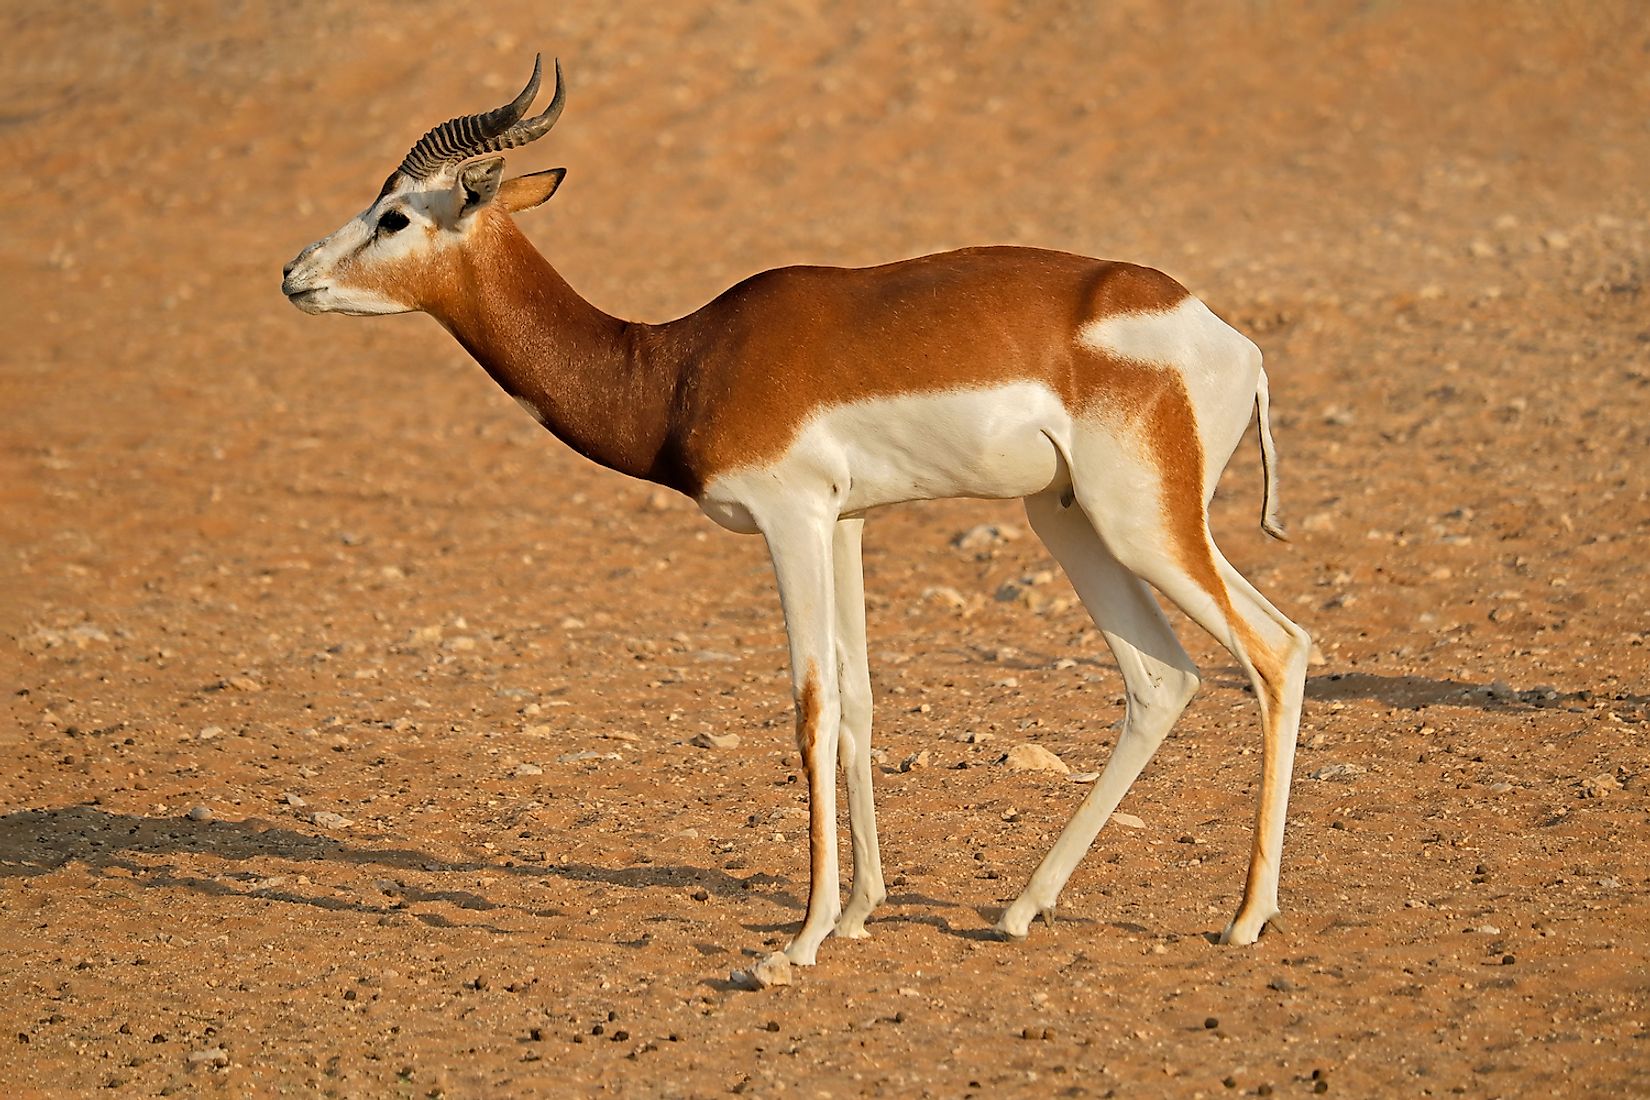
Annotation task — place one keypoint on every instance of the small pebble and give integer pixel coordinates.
(1211, 1023)
(200, 813)
(1508, 960)
(771, 971)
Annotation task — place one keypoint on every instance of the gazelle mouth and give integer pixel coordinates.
(304, 297)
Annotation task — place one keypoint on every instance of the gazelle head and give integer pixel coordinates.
(402, 250)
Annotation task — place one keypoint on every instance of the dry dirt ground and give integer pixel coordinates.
(435, 681)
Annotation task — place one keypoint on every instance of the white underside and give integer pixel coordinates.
(992, 443)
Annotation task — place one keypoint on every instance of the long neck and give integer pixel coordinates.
(581, 372)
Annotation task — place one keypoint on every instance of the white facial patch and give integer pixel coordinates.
(329, 274)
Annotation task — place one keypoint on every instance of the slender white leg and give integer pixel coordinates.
(801, 548)
(1158, 677)
(1169, 546)
(854, 682)
(1280, 685)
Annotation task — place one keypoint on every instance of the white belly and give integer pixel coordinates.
(994, 443)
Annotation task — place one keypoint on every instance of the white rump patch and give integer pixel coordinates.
(1172, 336)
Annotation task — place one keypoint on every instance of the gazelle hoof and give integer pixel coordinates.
(1244, 931)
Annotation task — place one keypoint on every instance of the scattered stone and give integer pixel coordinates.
(1599, 785)
(1034, 758)
(1486, 930)
(209, 732)
(771, 971)
(202, 814)
(1084, 777)
(1337, 772)
(915, 760)
(945, 596)
(1210, 1023)
(1036, 1033)
(715, 741)
(1128, 821)
(583, 755)
(1282, 985)
(243, 683)
(1315, 657)
(326, 819)
(524, 770)
(984, 535)
(211, 1056)
(296, 801)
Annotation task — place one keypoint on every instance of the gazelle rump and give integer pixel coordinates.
(1102, 393)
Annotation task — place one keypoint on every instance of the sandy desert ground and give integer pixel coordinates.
(431, 683)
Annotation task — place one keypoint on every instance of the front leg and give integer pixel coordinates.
(801, 549)
(854, 681)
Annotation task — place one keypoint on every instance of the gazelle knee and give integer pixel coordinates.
(1179, 685)
(1154, 708)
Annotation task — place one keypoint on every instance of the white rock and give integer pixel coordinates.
(715, 741)
(1128, 821)
(524, 770)
(771, 971)
(1034, 758)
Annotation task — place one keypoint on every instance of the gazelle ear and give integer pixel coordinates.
(526, 192)
(478, 182)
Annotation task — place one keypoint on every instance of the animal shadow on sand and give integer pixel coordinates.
(38, 841)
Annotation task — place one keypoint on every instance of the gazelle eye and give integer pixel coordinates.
(392, 221)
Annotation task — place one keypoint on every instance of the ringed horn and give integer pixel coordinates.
(461, 138)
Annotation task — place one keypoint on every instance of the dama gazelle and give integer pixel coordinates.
(1102, 393)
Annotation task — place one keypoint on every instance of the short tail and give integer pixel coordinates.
(1269, 521)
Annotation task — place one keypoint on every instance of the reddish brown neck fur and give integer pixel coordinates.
(589, 376)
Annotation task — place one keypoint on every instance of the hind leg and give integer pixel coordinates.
(1278, 671)
(1169, 546)
(1158, 677)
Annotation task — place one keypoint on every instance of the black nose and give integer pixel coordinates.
(287, 270)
